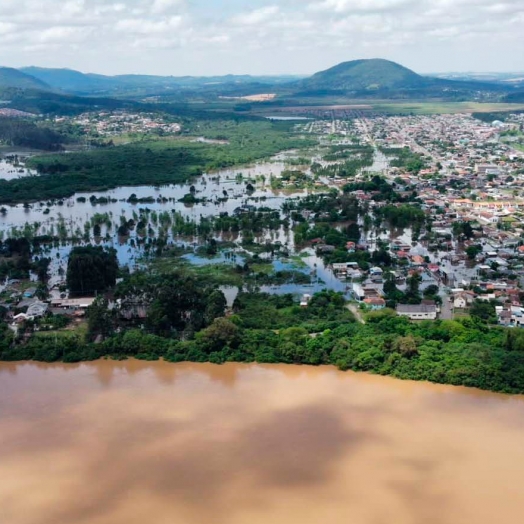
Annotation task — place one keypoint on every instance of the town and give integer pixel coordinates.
(465, 176)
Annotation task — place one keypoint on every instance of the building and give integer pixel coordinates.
(35, 310)
(73, 303)
(375, 303)
(417, 312)
(510, 316)
(304, 301)
(38, 309)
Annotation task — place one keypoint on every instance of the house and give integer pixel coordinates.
(358, 292)
(38, 309)
(375, 303)
(417, 260)
(462, 300)
(417, 312)
(35, 310)
(325, 248)
(74, 303)
(510, 316)
(304, 301)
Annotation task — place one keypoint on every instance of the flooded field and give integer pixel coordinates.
(131, 442)
(216, 193)
(10, 168)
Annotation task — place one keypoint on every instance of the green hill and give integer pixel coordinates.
(75, 82)
(13, 78)
(365, 75)
(71, 80)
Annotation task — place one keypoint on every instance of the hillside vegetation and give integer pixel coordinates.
(10, 77)
(23, 133)
(360, 75)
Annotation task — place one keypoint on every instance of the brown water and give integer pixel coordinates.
(137, 443)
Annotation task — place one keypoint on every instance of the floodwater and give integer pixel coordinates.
(8, 171)
(131, 442)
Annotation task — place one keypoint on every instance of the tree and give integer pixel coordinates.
(99, 320)
(353, 232)
(215, 307)
(431, 290)
(473, 251)
(177, 303)
(484, 311)
(91, 270)
(413, 289)
(463, 229)
(406, 346)
(220, 334)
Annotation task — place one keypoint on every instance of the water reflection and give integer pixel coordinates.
(132, 442)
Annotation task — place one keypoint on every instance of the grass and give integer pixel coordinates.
(73, 330)
(298, 262)
(417, 107)
(429, 108)
(213, 274)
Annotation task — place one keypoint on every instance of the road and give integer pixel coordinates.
(358, 315)
(446, 312)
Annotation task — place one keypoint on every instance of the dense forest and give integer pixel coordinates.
(23, 133)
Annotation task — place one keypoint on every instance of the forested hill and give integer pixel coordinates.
(10, 77)
(381, 78)
(22, 133)
(365, 75)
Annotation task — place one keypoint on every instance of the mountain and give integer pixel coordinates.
(71, 81)
(13, 78)
(365, 75)
(379, 78)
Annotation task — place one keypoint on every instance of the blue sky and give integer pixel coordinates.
(210, 37)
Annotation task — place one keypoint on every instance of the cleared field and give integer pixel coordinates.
(428, 108)
(418, 107)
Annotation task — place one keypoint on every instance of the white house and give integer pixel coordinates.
(417, 312)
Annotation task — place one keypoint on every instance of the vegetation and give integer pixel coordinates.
(405, 159)
(91, 270)
(153, 162)
(13, 78)
(23, 133)
(185, 322)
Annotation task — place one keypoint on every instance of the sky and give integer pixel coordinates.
(215, 37)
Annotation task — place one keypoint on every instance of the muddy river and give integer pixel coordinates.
(134, 443)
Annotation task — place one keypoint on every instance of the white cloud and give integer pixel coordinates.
(161, 6)
(345, 6)
(148, 27)
(201, 36)
(257, 16)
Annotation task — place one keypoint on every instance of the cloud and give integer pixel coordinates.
(257, 16)
(148, 27)
(161, 6)
(356, 6)
(201, 37)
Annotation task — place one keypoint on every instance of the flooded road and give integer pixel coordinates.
(131, 442)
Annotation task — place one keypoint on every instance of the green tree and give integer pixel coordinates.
(99, 320)
(220, 334)
(215, 307)
(91, 270)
